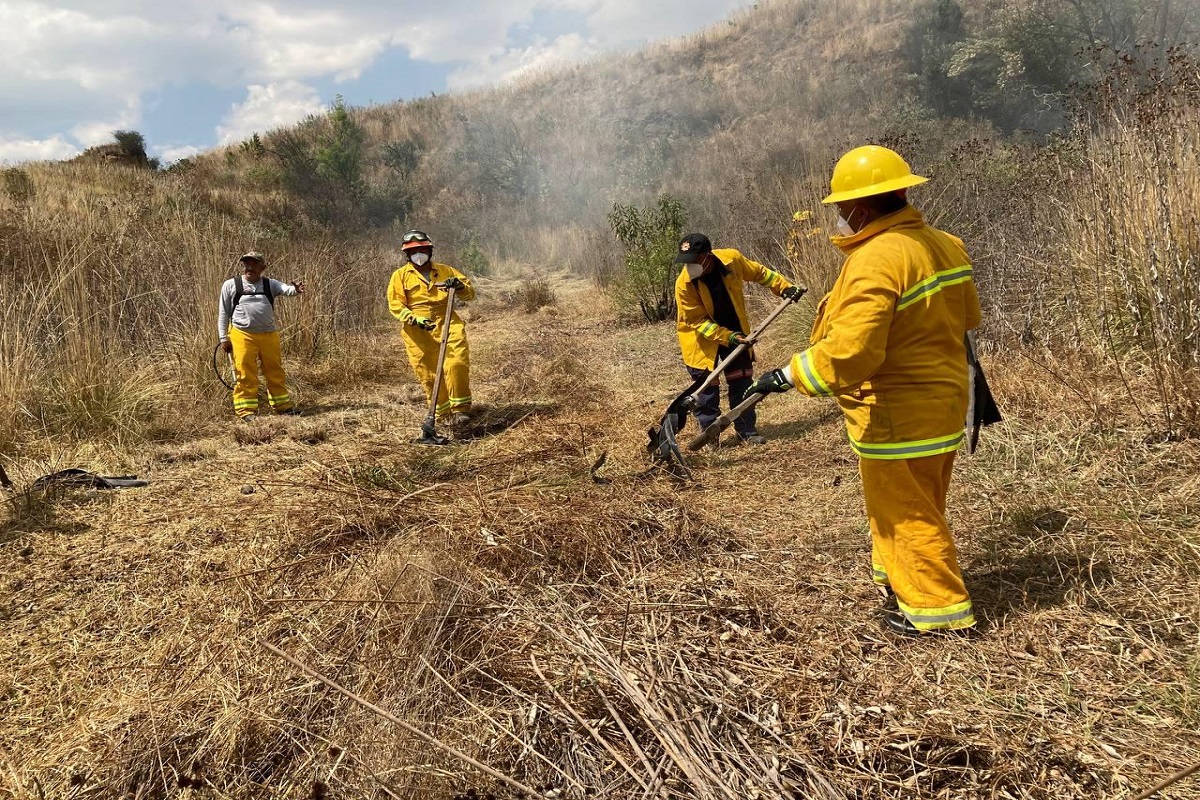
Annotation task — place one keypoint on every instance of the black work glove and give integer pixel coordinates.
(793, 293)
(773, 381)
(454, 283)
(424, 323)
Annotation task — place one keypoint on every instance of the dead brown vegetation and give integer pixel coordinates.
(583, 628)
(607, 632)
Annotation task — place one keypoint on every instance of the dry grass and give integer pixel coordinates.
(595, 631)
(110, 284)
(611, 634)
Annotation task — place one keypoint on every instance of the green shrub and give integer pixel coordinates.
(472, 258)
(132, 144)
(650, 236)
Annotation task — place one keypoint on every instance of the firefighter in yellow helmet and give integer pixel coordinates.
(888, 344)
(416, 298)
(246, 327)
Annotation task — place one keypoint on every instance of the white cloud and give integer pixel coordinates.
(100, 132)
(271, 106)
(89, 62)
(517, 62)
(172, 153)
(13, 150)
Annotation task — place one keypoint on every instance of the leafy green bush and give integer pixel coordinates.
(131, 143)
(650, 236)
(322, 164)
(472, 258)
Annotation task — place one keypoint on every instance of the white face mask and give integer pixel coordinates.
(420, 259)
(844, 228)
(694, 271)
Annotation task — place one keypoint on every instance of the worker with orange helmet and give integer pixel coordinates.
(417, 297)
(888, 344)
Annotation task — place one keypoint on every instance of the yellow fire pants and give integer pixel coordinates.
(912, 549)
(422, 347)
(248, 350)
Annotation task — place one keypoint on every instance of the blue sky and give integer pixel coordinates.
(192, 75)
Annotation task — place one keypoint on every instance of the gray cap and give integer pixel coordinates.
(255, 255)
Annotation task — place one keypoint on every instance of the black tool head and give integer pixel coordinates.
(429, 435)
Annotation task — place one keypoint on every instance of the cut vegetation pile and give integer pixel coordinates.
(596, 631)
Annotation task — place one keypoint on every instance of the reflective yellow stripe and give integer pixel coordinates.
(811, 378)
(887, 451)
(246, 403)
(769, 276)
(960, 615)
(707, 329)
(879, 574)
(934, 283)
(458, 401)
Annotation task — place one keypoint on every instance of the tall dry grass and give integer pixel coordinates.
(109, 284)
(1134, 242)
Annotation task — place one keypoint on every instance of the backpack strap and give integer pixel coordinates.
(239, 290)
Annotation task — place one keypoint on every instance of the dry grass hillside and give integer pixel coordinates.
(592, 632)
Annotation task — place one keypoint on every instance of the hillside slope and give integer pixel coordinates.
(732, 119)
(593, 631)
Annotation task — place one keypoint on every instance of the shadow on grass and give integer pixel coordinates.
(327, 408)
(795, 429)
(1032, 564)
(491, 420)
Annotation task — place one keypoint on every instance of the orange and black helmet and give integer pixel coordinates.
(414, 240)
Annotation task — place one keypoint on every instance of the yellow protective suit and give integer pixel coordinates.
(410, 297)
(248, 350)
(887, 343)
(699, 335)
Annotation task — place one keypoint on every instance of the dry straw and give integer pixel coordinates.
(631, 639)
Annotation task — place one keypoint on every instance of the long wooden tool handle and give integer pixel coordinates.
(437, 378)
(750, 340)
(719, 425)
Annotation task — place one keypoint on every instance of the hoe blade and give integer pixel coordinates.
(429, 435)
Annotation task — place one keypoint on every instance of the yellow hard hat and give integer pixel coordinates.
(867, 171)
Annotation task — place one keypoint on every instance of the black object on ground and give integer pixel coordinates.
(82, 479)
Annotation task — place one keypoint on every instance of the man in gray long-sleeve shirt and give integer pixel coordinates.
(246, 326)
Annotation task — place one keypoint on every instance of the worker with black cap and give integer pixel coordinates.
(712, 321)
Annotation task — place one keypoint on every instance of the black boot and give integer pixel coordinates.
(894, 621)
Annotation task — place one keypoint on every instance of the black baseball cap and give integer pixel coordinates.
(693, 248)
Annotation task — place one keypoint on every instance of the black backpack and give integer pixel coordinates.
(239, 290)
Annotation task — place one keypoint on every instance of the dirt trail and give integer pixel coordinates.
(129, 657)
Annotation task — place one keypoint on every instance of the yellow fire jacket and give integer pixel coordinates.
(410, 295)
(888, 339)
(699, 335)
